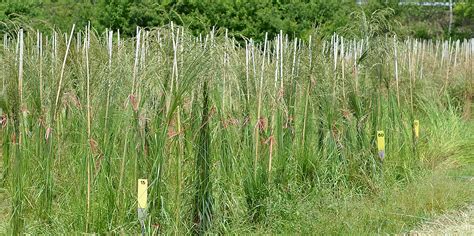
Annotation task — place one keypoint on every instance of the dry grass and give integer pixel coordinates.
(456, 221)
(4, 210)
(460, 222)
(4, 205)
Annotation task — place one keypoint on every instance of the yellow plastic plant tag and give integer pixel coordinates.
(142, 193)
(381, 143)
(416, 127)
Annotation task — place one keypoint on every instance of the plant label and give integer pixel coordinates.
(142, 193)
(416, 128)
(381, 144)
(142, 202)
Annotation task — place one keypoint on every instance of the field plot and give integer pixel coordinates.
(232, 136)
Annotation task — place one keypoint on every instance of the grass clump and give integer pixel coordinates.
(274, 136)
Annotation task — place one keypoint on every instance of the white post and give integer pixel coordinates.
(450, 16)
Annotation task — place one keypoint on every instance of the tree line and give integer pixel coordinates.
(243, 18)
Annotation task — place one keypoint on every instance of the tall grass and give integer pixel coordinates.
(219, 127)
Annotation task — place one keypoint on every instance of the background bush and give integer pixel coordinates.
(243, 18)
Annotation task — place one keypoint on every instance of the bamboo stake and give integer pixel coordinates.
(356, 68)
(411, 65)
(254, 66)
(281, 59)
(335, 53)
(308, 86)
(293, 65)
(61, 75)
(343, 57)
(247, 59)
(135, 64)
(5, 48)
(107, 103)
(40, 56)
(257, 136)
(277, 59)
(118, 40)
(396, 68)
(224, 72)
(89, 166)
(78, 42)
(20, 67)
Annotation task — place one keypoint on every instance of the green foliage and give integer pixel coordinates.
(465, 9)
(244, 18)
(16, 9)
(464, 19)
